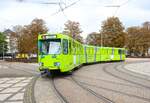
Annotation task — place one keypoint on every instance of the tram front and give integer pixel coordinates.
(49, 52)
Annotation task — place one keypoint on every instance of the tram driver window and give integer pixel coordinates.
(65, 46)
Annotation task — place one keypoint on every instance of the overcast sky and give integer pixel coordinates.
(90, 13)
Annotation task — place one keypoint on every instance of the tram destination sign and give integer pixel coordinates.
(48, 36)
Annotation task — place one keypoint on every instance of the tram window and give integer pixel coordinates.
(65, 46)
(119, 51)
(52, 46)
(123, 52)
(70, 47)
(73, 44)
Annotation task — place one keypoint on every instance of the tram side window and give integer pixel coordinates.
(123, 52)
(65, 46)
(70, 47)
(74, 48)
(120, 52)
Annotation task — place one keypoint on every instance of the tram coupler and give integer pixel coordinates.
(48, 72)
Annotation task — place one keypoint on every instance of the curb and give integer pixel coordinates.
(29, 92)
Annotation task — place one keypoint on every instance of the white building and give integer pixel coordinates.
(12, 41)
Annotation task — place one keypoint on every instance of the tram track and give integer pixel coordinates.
(57, 92)
(133, 74)
(106, 100)
(122, 78)
(85, 84)
(107, 81)
(79, 84)
(112, 90)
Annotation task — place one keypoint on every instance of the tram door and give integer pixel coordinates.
(65, 53)
(74, 53)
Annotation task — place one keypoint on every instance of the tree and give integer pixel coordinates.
(132, 39)
(36, 27)
(93, 38)
(112, 32)
(146, 25)
(3, 43)
(73, 30)
(27, 36)
(138, 40)
(16, 35)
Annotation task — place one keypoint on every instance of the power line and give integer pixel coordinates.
(125, 2)
(62, 10)
(118, 6)
(66, 7)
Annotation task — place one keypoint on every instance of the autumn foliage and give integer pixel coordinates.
(73, 30)
(27, 36)
(136, 39)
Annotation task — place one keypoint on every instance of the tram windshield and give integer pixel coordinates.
(52, 46)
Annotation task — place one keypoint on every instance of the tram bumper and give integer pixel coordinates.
(49, 68)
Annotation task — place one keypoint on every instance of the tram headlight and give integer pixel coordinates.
(56, 63)
(40, 64)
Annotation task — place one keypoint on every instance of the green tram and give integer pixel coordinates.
(61, 52)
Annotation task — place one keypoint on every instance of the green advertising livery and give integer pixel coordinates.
(59, 52)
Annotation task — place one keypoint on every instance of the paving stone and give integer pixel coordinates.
(5, 79)
(20, 85)
(9, 86)
(1, 89)
(5, 85)
(26, 81)
(18, 96)
(23, 90)
(4, 96)
(1, 81)
(15, 102)
(29, 78)
(11, 90)
(13, 81)
(20, 78)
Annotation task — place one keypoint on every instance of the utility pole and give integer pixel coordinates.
(101, 39)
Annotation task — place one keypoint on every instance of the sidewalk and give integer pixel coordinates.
(143, 68)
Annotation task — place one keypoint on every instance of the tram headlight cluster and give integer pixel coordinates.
(56, 63)
(40, 64)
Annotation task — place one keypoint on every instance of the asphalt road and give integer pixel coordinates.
(97, 83)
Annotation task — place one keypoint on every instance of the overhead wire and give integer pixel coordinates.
(62, 10)
(66, 7)
(119, 6)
